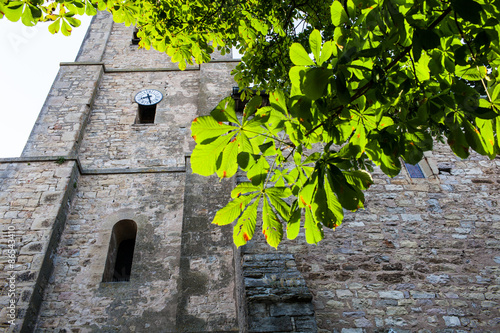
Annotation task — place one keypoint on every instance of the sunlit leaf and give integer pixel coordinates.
(206, 127)
(474, 73)
(315, 42)
(245, 227)
(204, 157)
(232, 210)
(339, 15)
(299, 55)
(271, 226)
(313, 231)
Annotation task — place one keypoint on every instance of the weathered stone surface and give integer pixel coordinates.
(391, 294)
(270, 324)
(423, 257)
(451, 321)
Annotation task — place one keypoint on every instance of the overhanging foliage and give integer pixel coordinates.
(363, 82)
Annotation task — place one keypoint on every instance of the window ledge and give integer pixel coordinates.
(144, 125)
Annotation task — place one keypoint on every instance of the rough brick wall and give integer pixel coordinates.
(120, 170)
(112, 140)
(58, 129)
(154, 202)
(33, 204)
(423, 257)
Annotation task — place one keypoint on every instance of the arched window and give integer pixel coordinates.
(121, 252)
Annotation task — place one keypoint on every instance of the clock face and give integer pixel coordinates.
(148, 97)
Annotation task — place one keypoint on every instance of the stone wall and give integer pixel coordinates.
(33, 206)
(112, 140)
(128, 171)
(154, 202)
(96, 39)
(207, 299)
(423, 257)
(60, 124)
(276, 295)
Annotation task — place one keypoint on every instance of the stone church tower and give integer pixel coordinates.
(105, 228)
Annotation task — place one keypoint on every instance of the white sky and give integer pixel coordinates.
(29, 61)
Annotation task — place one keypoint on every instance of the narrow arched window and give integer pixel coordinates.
(120, 252)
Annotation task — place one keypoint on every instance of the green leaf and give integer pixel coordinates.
(334, 206)
(27, 17)
(65, 28)
(469, 10)
(229, 164)
(244, 188)
(474, 138)
(359, 178)
(258, 172)
(315, 82)
(55, 26)
(73, 22)
(278, 101)
(348, 195)
(385, 122)
(326, 52)
(279, 205)
(204, 157)
(315, 42)
(268, 148)
(306, 195)
(101, 5)
(314, 232)
(497, 129)
(428, 39)
(243, 230)
(225, 111)
(297, 76)
(13, 10)
(420, 139)
(495, 94)
(232, 210)
(488, 136)
(90, 9)
(422, 68)
(474, 73)
(293, 225)
(279, 192)
(458, 143)
(206, 127)
(299, 55)
(339, 15)
(271, 226)
(251, 107)
(359, 139)
(389, 163)
(342, 91)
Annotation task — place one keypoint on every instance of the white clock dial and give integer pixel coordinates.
(148, 97)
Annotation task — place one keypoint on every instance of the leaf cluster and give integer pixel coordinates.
(352, 83)
(392, 76)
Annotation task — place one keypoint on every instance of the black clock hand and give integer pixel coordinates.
(148, 96)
